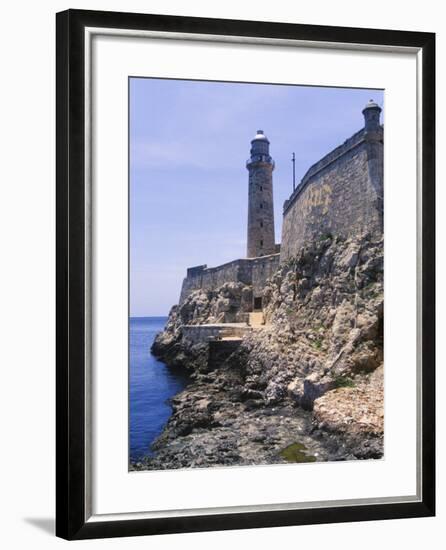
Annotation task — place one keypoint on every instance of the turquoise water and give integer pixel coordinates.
(151, 384)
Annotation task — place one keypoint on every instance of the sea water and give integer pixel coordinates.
(151, 385)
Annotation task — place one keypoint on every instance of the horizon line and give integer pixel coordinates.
(145, 316)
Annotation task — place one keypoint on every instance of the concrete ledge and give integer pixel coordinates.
(206, 333)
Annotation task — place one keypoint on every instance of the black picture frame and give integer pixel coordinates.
(71, 518)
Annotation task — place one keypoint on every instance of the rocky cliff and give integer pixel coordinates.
(307, 386)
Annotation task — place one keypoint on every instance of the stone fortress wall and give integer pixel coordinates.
(249, 271)
(341, 195)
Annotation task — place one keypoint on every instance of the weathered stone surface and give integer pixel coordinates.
(214, 426)
(341, 195)
(354, 416)
(320, 349)
(252, 272)
(260, 237)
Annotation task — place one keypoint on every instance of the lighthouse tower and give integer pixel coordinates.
(260, 165)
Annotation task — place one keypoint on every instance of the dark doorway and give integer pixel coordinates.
(257, 303)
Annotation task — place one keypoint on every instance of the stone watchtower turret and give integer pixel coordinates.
(371, 114)
(260, 165)
(374, 136)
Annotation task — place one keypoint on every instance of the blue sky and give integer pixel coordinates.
(189, 141)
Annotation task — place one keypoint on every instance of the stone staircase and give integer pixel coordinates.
(256, 319)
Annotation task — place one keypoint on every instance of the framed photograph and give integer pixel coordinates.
(245, 274)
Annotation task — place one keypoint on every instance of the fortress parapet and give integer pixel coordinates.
(341, 194)
(249, 271)
(195, 271)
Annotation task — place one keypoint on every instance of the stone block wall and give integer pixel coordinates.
(260, 238)
(210, 278)
(262, 269)
(341, 195)
(247, 271)
(197, 334)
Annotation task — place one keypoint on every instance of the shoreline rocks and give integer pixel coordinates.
(312, 377)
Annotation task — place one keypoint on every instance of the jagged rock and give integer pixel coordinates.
(350, 257)
(313, 387)
(356, 415)
(320, 350)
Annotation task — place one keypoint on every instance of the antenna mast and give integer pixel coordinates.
(293, 160)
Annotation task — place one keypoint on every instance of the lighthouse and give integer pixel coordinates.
(260, 165)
